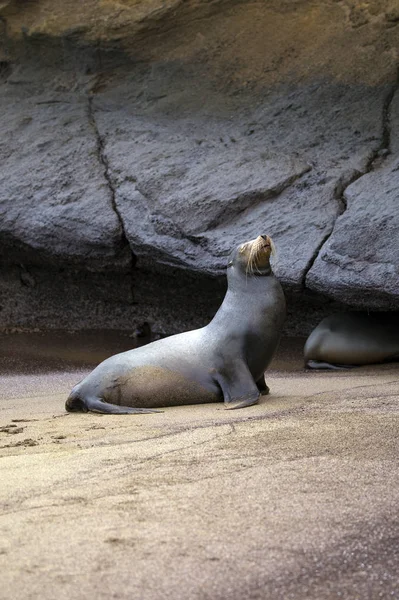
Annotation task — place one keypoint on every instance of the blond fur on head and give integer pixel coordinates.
(257, 247)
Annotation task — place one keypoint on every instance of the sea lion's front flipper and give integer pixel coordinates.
(238, 386)
(78, 404)
(262, 386)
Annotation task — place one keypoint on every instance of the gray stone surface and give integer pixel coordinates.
(55, 204)
(181, 187)
(189, 188)
(360, 261)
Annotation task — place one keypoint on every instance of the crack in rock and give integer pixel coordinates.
(315, 255)
(103, 160)
(386, 115)
(374, 161)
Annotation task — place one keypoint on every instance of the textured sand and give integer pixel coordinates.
(294, 498)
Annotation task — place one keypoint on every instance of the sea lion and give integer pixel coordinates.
(225, 360)
(351, 339)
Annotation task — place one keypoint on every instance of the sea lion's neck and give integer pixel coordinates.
(245, 301)
(244, 284)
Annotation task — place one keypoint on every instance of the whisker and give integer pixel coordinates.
(251, 260)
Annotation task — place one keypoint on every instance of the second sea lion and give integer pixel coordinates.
(355, 338)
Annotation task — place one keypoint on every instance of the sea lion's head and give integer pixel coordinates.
(253, 258)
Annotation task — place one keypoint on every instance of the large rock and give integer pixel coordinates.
(55, 203)
(360, 262)
(190, 187)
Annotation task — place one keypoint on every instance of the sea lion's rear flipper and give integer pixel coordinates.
(79, 404)
(319, 364)
(238, 386)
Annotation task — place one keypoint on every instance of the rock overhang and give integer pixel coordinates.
(187, 136)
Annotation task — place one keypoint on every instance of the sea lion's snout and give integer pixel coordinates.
(264, 241)
(256, 255)
(253, 257)
(263, 244)
(268, 244)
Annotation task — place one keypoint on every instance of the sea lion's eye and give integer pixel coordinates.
(230, 264)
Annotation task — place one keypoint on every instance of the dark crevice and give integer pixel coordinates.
(315, 255)
(5, 70)
(103, 160)
(5, 63)
(344, 182)
(374, 161)
(386, 115)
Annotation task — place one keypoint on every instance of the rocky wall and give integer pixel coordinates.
(141, 141)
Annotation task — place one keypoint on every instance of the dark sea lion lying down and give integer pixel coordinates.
(225, 360)
(351, 339)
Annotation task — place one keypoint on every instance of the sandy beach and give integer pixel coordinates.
(295, 498)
